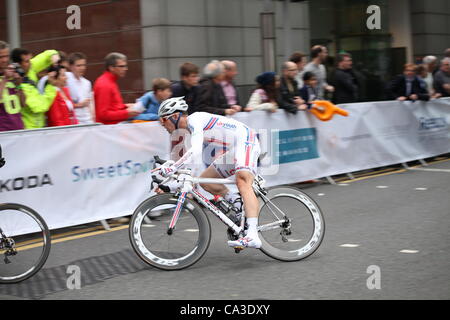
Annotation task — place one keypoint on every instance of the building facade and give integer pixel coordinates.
(159, 35)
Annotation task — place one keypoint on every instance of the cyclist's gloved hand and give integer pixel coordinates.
(167, 169)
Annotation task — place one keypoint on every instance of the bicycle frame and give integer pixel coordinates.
(189, 182)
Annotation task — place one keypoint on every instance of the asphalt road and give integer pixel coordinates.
(369, 224)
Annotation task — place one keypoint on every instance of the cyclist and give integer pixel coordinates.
(240, 159)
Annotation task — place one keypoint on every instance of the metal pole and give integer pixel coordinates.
(13, 17)
(268, 36)
(287, 30)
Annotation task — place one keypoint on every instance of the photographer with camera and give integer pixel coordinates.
(36, 104)
(11, 95)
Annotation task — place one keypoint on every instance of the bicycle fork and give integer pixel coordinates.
(176, 213)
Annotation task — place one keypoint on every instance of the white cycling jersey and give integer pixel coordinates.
(240, 141)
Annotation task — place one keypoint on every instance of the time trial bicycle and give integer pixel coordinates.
(172, 231)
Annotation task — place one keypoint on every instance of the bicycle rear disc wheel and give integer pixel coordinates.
(149, 233)
(303, 231)
(25, 244)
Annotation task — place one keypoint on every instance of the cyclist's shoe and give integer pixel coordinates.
(245, 242)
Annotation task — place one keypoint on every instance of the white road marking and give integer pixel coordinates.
(409, 251)
(321, 194)
(382, 187)
(191, 230)
(431, 170)
(421, 189)
(349, 245)
(343, 184)
(148, 225)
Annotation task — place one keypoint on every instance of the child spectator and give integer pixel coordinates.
(309, 90)
(62, 111)
(152, 100)
(265, 97)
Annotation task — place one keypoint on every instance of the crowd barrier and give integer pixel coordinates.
(76, 175)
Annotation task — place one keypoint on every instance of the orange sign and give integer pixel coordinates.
(325, 110)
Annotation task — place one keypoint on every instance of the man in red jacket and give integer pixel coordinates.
(109, 106)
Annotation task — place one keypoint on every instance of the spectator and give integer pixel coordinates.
(442, 79)
(109, 106)
(344, 81)
(80, 88)
(290, 95)
(11, 95)
(309, 90)
(318, 56)
(62, 111)
(151, 100)
(187, 87)
(265, 97)
(300, 60)
(447, 53)
(429, 62)
(43, 76)
(408, 86)
(228, 86)
(36, 104)
(422, 73)
(211, 98)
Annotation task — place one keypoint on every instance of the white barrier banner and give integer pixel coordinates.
(78, 175)
(375, 134)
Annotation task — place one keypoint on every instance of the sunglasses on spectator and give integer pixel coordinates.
(122, 66)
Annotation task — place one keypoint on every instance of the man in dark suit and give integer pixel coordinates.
(344, 81)
(408, 86)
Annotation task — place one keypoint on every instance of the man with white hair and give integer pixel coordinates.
(228, 86)
(430, 66)
(442, 79)
(211, 97)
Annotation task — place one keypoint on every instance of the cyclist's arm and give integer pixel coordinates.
(194, 153)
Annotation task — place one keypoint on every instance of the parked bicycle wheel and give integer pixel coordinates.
(149, 233)
(302, 231)
(24, 242)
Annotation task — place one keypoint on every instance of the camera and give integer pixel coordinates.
(19, 69)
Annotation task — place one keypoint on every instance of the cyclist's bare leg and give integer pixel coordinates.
(244, 182)
(215, 189)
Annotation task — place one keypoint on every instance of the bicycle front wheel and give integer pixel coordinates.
(291, 224)
(24, 242)
(159, 248)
